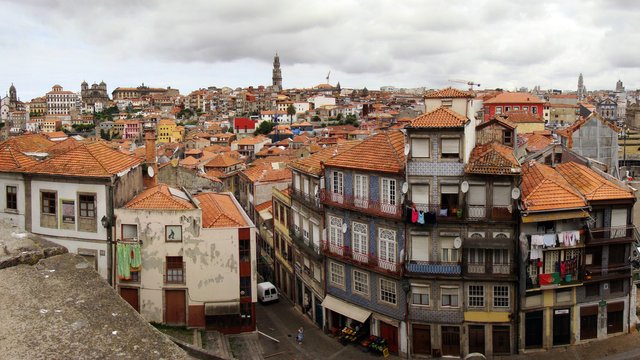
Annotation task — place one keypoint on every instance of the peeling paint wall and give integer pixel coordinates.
(211, 258)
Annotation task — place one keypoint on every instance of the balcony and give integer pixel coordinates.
(487, 268)
(433, 268)
(307, 246)
(364, 205)
(495, 213)
(311, 201)
(613, 235)
(366, 260)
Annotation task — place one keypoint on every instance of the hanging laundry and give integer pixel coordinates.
(123, 259)
(563, 268)
(414, 216)
(535, 253)
(545, 279)
(549, 240)
(136, 260)
(575, 238)
(537, 240)
(407, 214)
(571, 266)
(421, 217)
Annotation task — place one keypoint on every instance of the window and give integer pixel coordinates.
(420, 295)
(525, 108)
(420, 248)
(388, 195)
(534, 109)
(175, 270)
(296, 182)
(245, 250)
(388, 291)
(129, 231)
(361, 190)
(387, 246)
(616, 254)
(592, 289)
(448, 199)
(360, 238)
(87, 205)
(616, 286)
(447, 103)
(48, 202)
(12, 197)
(450, 148)
(500, 256)
(337, 183)
(516, 108)
(507, 108)
(245, 285)
(420, 195)
(476, 256)
(476, 296)
(449, 253)
(361, 282)
(498, 110)
(449, 297)
(507, 137)
(336, 274)
(501, 296)
(420, 148)
(335, 232)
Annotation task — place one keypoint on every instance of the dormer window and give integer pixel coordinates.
(447, 103)
(507, 137)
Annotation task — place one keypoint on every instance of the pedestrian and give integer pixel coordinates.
(300, 335)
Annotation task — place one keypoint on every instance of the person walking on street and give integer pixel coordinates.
(300, 335)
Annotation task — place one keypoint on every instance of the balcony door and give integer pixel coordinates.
(361, 190)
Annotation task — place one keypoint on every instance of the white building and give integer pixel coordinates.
(60, 101)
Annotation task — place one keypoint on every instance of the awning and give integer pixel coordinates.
(222, 308)
(342, 307)
(574, 214)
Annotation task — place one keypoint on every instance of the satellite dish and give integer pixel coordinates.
(464, 187)
(515, 193)
(457, 242)
(407, 147)
(405, 188)
(150, 171)
(344, 228)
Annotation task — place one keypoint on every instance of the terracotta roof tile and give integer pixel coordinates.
(313, 164)
(535, 142)
(494, 159)
(29, 143)
(591, 184)
(219, 210)
(514, 97)
(222, 161)
(12, 160)
(383, 152)
(449, 93)
(520, 116)
(87, 160)
(63, 146)
(264, 206)
(266, 173)
(544, 189)
(439, 118)
(160, 197)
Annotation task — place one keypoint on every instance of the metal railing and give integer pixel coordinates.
(433, 267)
(613, 234)
(364, 205)
(367, 260)
(309, 200)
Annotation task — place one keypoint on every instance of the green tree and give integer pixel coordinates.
(339, 117)
(291, 110)
(316, 118)
(230, 130)
(365, 92)
(264, 128)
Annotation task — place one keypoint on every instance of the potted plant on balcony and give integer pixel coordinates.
(458, 213)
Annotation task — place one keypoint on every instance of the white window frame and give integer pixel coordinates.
(387, 291)
(335, 232)
(475, 296)
(336, 272)
(388, 191)
(361, 190)
(415, 191)
(448, 252)
(500, 298)
(387, 245)
(442, 148)
(337, 182)
(360, 238)
(360, 282)
(498, 110)
(422, 292)
(417, 244)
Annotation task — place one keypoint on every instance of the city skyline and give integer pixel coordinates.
(199, 44)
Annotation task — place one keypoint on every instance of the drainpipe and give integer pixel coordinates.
(110, 217)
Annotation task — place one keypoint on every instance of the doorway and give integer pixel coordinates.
(390, 333)
(175, 307)
(533, 330)
(561, 327)
(422, 339)
(451, 340)
(131, 296)
(476, 339)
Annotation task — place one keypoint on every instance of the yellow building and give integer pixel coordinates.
(167, 131)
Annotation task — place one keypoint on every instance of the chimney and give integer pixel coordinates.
(150, 178)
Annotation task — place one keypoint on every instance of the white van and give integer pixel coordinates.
(267, 292)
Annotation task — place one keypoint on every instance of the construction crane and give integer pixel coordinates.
(328, 76)
(470, 83)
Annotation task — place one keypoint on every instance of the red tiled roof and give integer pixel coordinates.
(160, 197)
(219, 210)
(592, 185)
(265, 173)
(63, 146)
(535, 142)
(493, 158)
(544, 189)
(514, 98)
(264, 206)
(222, 161)
(87, 160)
(449, 93)
(383, 152)
(29, 143)
(520, 116)
(439, 118)
(242, 123)
(12, 160)
(313, 164)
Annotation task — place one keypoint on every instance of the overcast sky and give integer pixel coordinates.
(405, 43)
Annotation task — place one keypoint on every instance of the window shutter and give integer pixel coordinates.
(420, 248)
(450, 146)
(501, 195)
(420, 194)
(477, 195)
(420, 148)
(449, 188)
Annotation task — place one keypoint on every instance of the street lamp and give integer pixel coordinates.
(107, 225)
(105, 221)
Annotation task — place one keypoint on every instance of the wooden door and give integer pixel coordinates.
(175, 307)
(131, 296)
(451, 340)
(476, 339)
(390, 333)
(422, 339)
(533, 330)
(501, 340)
(561, 327)
(589, 322)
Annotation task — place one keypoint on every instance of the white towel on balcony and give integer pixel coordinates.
(535, 253)
(537, 240)
(550, 240)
